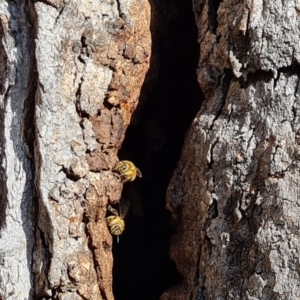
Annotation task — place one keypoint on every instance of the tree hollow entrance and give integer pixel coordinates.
(142, 268)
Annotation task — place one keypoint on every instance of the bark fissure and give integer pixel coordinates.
(119, 8)
(212, 15)
(48, 3)
(228, 77)
(82, 114)
(4, 90)
(153, 142)
(3, 186)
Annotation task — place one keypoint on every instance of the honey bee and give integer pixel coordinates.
(116, 223)
(127, 170)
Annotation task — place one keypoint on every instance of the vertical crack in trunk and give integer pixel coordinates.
(153, 141)
(4, 92)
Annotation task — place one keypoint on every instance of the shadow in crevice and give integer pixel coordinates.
(142, 268)
(4, 92)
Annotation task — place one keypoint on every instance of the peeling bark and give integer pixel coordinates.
(234, 194)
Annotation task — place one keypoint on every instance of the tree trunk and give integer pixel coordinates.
(71, 75)
(235, 192)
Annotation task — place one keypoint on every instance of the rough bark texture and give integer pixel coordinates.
(235, 193)
(92, 71)
(71, 73)
(81, 66)
(16, 176)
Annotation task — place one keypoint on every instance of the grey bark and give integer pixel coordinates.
(16, 180)
(235, 193)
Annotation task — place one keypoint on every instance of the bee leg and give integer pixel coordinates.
(117, 239)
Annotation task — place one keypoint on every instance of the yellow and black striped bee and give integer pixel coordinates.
(116, 223)
(127, 170)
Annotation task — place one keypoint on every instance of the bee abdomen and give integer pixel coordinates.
(117, 229)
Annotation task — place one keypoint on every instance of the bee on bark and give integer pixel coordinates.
(127, 170)
(116, 223)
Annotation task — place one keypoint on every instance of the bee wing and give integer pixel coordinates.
(138, 172)
(124, 207)
(112, 210)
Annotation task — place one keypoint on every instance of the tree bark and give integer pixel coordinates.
(71, 76)
(16, 180)
(234, 194)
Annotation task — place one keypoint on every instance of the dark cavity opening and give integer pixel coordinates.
(170, 99)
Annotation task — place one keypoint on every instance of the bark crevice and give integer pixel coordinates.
(153, 142)
(213, 15)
